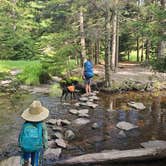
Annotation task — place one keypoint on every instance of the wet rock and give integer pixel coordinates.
(52, 154)
(83, 115)
(61, 143)
(81, 121)
(69, 135)
(126, 126)
(51, 144)
(65, 122)
(58, 135)
(84, 99)
(122, 134)
(52, 121)
(12, 161)
(77, 104)
(57, 128)
(83, 111)
(95, 126)
(73, 111)
(154, 144)
(138, 106)
(94, 97)
(92, 105)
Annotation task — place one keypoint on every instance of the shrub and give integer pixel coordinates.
(31, 74)
(159, 64)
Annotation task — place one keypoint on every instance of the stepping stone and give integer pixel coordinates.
(52, 154)
(52, 121)
(61, 143)
(138, 106)
(84, 99)
(81, 121)
(57, 128)
(92, 105)
(83, 115)
(58, 135)
(126, 126)
(74, 111)
(83, 111)
(94, 97)
(154, 144)
(69, 135)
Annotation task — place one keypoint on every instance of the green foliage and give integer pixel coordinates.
(159, 64)
(30, 74)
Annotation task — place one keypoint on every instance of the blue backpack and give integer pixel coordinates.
(31, 137)
(88, 69)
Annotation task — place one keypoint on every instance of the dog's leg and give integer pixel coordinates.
(63, 92)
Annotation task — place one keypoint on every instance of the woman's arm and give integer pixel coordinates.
(45, 136)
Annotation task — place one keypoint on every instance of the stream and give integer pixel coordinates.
(112, 109)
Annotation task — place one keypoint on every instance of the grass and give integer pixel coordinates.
(7, 65)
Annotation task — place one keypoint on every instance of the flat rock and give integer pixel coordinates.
(61, 143)
(58, 135)
(57, 128)
(12, 161)
(74, 111)
(81, 121)
(77, 104)
(52, 154)
(91, 104)
(83, 115)
(52, 121)
(136, 105)
(126, 126)
(94, 97)
(63, 122)
(154, 144)
(83, 111)
(69, 135)
(84, 99)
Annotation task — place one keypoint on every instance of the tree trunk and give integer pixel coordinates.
(128, 53)
(147, 49)
(97, 52)
(137, 49)
(117, 45)
(114, 39)
(142, 50)
(83, 52)
(107, 46)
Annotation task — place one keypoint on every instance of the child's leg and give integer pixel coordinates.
(35, 158)
(26, 157)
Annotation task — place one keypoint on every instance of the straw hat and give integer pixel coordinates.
(36, 112)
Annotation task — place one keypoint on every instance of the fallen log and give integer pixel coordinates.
(142, 154)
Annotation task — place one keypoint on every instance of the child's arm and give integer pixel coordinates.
(45, 136)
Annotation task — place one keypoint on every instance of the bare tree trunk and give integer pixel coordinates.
(147, 49)
(107, 46)
(83, 52)
(142, 50)
(114, 27)
(128, 55)
(117, 45)
(97, 52)
(137, 49)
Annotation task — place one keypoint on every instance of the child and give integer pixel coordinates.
(33, 136)
(87, 75)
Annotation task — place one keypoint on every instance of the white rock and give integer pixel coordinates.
(61, 143)
(126, 126)
(154, 144)
(95, 126)
(83, 111)
(58, 135)
(138, 106)
(69, 135)
(81, 121)
(52, 154)
(52, 121)
(73, 111)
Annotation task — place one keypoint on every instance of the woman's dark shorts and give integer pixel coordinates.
(88, 81)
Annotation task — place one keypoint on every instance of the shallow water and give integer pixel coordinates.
(111, 110)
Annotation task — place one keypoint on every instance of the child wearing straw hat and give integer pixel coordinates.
(33, 136)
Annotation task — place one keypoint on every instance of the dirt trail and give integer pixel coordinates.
(131, 71)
